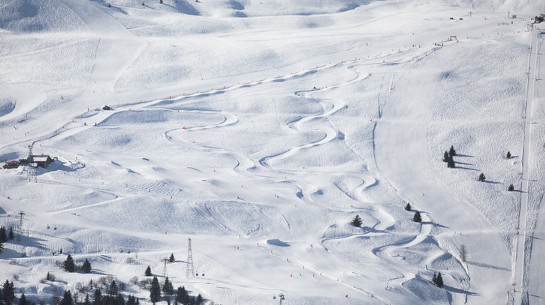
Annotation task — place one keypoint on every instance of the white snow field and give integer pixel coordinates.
(260, 129)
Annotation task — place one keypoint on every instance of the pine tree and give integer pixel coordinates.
(67, 298)
(450, 162)
(171, 258)
(112, 290)
(69, 264)
(22, 300)
(199, 300)
(482, 178)
(97, 297)
(439, 281)
(1, 247)
(8, 292)
(50, 277)
(417, 217)
(511, 188)
(155, 291)
(181, 296)
(356, 222)
(86, 267)
(87, 301)
(408, 207)
(446, 157)
(168, 290)
(508, 155)
(119, 300)
(3, 235)
(131, 300)
(452, 152)
(10, 234)
(148, 271)
(434, 278)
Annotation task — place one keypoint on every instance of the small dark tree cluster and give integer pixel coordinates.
(511, 188)
(356, 222)
(417, 217)
(112, 297)
(171, 259)
(148, 271)
(11, 236)
(482, 178)
(437, 279)
(168, 290)
(69, 264)
(508, 155)
(3, 234)
(86, 267)
(448, 157)
(67, 298)
(50, 277)
(8, 293)
(22, 300)
(155, 291)
(408, 207)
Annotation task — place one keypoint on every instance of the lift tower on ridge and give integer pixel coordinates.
(190, 271)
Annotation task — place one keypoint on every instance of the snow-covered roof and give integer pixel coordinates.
(40, 158)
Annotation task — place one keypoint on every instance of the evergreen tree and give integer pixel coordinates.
(408, 207)
(131, 300)
(439, 280)
(67, 298)
(155, 291)
(8, 292)
(3, 235)
(50, 277)
(148, 271)
(86, 267)
(482, 178)
(199, 300)
(508, 155)
(87, 301)
(1, 247)
(168, 290)
(446, 157)
(10, 234)
(22, 300)
(181, 296)
(112, 290)
(434, 278)
(97, 297)
(511, 188)
(119, 300)
(356, 222)
(171, 258)
(452, 152)
(417, 217)
(69, 264)
(450, 162)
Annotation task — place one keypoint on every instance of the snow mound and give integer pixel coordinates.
(38, 16)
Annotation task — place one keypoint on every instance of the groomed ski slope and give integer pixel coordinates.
(260, 129)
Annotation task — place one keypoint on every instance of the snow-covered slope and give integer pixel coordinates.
(260, 129)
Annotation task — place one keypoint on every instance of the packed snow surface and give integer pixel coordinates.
(260, 129)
